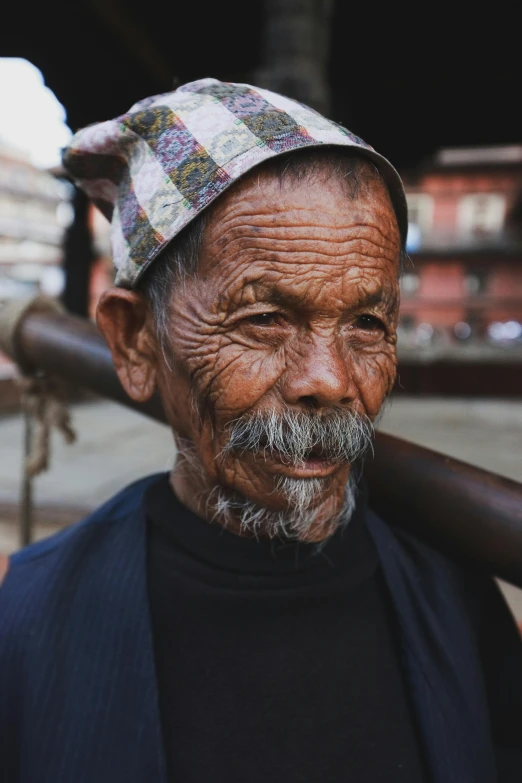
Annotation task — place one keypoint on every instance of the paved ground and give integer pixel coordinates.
(116, 445)
(487, 433)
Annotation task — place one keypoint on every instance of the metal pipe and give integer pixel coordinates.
(466, 512)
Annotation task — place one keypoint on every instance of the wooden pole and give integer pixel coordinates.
(26, 492)
(78, 258)
(466, 512)
(296, 50)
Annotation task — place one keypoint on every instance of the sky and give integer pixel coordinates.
(42, 139)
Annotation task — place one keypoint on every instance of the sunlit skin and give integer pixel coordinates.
(295, 303)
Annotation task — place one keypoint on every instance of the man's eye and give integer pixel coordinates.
(369, 323)
(262, 319)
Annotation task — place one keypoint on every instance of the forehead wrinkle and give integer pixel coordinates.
(245, 240)
(306, 252)
(261, 205)
(285, 294)
(242, 274)
(244, 207)
(223, 239)
(245, 223)
(311, 231)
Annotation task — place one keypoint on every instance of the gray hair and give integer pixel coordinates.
(293, 523)
(180, 259)
(340, 435)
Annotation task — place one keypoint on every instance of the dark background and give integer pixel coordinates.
(408, 79)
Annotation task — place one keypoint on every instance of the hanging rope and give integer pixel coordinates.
(44, 408)
(43, 397)
(44, 403)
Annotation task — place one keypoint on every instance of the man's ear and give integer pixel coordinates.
(124, 320)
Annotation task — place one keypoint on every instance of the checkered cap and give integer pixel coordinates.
(153, 169)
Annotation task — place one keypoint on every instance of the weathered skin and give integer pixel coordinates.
(295, 304)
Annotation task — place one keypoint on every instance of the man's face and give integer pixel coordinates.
(294, 306)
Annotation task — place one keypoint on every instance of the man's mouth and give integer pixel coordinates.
(316, 464)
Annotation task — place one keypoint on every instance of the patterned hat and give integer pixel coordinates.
(153, 169)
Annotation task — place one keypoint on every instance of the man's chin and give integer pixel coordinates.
(304, 509)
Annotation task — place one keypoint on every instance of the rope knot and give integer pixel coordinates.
(44, 403)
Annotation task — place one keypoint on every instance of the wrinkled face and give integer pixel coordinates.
(295, 307)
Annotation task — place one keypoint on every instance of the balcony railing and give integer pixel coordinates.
(445, 242)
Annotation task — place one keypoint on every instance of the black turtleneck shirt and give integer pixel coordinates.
(276, 661)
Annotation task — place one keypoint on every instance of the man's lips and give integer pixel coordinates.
(314, 466)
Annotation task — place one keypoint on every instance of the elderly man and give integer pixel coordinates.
(247, 617)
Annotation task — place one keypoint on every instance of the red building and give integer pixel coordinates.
(464, 282)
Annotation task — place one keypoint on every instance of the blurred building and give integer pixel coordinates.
(464, 285)
(34, 213)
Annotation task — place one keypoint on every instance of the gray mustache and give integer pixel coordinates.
(341, 435)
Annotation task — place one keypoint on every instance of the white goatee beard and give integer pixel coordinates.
(341, 435)
(295, 522)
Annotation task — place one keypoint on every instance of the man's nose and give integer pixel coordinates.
(319, 374)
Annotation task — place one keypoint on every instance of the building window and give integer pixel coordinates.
(481, 214)
(420, 218)
(476, 282)
(410, 284)
(407, 322)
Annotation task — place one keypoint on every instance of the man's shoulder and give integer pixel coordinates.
(447, 583)
(419, 551)
(62, 597)
(120, 505)
(60, 560)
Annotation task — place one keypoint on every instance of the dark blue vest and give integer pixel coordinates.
(78, 695)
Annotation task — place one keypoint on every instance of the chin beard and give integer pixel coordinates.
(295, 522)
